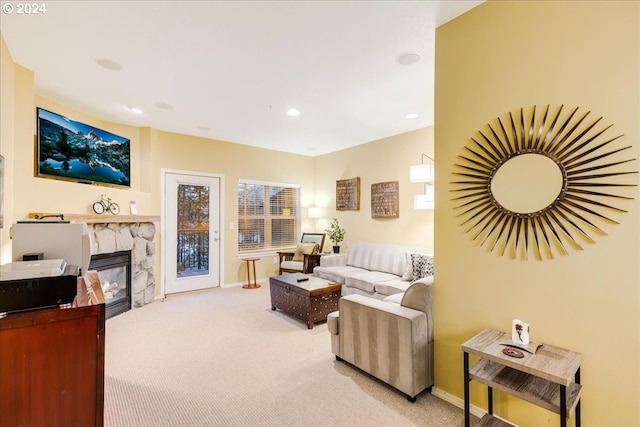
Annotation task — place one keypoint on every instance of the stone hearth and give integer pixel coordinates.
(137, 238)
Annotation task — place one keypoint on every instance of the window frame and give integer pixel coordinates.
(268, 248)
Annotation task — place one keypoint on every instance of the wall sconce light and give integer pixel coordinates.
(424, 172)
(424, 201)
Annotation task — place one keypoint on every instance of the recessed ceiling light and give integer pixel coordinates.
(409, 58)
(134, 109)
(163, 106)
(109, 64)
(411, 115)
(293, 112)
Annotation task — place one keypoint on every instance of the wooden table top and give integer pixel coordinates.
(314, 285)
(551, 363)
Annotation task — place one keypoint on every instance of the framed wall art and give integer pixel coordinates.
(384, 200)
(348, 194)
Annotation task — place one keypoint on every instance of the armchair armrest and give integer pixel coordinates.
(310, 261)
(333, 260)
(285, 256)
(305, 266)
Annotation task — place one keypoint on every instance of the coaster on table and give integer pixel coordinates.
(513, 352)
(532, 347)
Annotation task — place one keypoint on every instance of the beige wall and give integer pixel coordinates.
(7, 79)
(153, 150)
(496, 58)
(233, 162)
(49, 195)
(385, 160)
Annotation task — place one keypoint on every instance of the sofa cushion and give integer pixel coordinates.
(365, 281)
(336, 274)
(291, 265)
(391, 287)
(333, 260)
(350, 290)
(377, 257)
(394, 299)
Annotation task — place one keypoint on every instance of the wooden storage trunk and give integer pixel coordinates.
(311, 300)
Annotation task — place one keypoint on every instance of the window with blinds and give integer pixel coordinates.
(268, 216)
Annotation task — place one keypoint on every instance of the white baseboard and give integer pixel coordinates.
(261, 282)
(456, 401)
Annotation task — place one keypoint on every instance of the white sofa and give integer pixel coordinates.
(375, 269)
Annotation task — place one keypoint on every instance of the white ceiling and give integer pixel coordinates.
(231, 69)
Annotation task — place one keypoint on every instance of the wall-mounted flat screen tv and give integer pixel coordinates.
(74, 151)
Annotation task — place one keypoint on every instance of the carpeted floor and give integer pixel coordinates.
(222, 358)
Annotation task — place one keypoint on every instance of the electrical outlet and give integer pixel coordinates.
(275, 259)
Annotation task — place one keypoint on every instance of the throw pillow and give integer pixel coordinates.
(408, 266)
(422, 266)
(303, 249)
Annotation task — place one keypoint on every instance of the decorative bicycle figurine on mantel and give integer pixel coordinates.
(106, 205)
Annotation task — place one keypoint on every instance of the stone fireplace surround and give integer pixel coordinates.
(135, 233)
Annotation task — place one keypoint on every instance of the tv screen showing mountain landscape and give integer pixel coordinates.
(71, 150)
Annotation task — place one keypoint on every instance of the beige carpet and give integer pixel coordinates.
(222, 358)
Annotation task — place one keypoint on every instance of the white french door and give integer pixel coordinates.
(191, 231)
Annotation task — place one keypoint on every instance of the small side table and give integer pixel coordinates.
(255, 284)
(550, 378)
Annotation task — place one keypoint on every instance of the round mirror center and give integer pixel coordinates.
(527, 183)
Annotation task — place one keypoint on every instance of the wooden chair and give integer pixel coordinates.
(303, 259)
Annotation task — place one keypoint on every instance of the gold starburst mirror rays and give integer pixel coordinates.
(541, 182)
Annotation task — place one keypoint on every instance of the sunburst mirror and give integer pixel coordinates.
(541, 182)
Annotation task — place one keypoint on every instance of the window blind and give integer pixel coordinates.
(268, 216)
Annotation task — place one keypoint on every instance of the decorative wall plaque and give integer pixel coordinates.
(384, 200)
(348, 194)
(542, 181)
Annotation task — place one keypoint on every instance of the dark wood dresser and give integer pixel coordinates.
(52, 367)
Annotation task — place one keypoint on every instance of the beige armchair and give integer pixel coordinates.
(305, 257)
(393, 342)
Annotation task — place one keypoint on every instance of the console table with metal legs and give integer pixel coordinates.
(550, 378)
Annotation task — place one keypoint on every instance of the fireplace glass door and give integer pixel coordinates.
(114, 271)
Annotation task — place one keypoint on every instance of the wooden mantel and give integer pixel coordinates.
(108, 218)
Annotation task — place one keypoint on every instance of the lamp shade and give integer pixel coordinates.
(423, 202)
(421, 173)
(314, 212)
